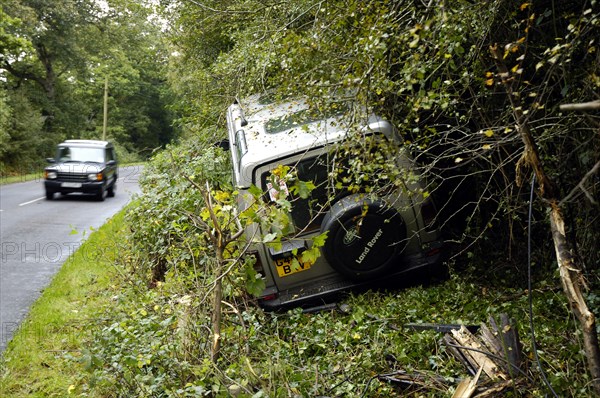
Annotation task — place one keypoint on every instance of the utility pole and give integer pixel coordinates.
(105, 109)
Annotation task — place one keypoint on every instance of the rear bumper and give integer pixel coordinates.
(424, 264)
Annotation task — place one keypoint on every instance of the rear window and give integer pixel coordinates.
(327, 172)
(368, 167)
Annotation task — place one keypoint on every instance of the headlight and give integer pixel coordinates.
(95, 177)
(50, 175)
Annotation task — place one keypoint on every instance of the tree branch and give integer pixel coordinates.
(584, 106)
(24, 75)
(580, 186)
(531, 155)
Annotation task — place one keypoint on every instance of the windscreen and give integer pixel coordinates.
(80, 154)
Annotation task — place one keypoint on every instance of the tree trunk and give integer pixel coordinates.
(572, 280)
(216, 315)
(570, 272)
(49, 79)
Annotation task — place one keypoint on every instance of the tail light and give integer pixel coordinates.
(269, 297)
(259, 269)
(258, 265)
(428, 214)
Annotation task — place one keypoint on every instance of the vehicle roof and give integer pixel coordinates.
(252, 117)
(90, 143)
(264, 145)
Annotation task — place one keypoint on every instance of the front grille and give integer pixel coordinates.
(72, 177)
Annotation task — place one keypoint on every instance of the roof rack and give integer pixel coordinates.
(87, 142)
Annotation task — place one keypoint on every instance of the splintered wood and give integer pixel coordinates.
(496, 352)
(491, 354)
(476, 354)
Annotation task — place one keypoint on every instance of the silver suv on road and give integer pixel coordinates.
(84, 166)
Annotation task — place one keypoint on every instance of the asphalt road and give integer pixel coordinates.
(35, 239)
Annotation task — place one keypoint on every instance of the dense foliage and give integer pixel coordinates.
(55, 58)
(428, 68)
(156, 341)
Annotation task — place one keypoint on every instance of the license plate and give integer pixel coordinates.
(71, 185)
(286, 268)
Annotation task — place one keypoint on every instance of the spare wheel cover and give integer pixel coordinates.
(363, 244)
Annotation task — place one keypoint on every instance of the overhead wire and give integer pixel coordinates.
(530, 295)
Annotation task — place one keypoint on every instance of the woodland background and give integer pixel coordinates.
(174, 67)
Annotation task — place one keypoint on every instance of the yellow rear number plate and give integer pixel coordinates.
(286, 266)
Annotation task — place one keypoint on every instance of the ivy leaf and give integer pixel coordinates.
(269, 238)
(319, 240)
(255, 191)
(305, 188)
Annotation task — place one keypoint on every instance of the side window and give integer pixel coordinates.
(64, 154)
(110, 154)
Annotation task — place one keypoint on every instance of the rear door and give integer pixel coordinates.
(306, 216)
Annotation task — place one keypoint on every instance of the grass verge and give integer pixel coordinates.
(39, 175)
(95, 333)
(5, 180)
(39, 361)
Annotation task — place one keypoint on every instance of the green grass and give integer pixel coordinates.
(40, 359)
(12, 179)
(4, 180)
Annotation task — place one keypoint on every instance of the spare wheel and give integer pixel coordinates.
(365, 237)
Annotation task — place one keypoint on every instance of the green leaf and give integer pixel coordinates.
(305, 188)
(319, 240)
(255, 191)
(311, 255)
(255, 284)
(269, 238)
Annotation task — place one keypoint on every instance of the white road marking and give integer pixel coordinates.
(31, 201)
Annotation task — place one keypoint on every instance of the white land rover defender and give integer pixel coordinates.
(370, 239)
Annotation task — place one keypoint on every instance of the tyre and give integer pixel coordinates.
(101, 194)
(112, 190)
(365, 237)
(49, 195)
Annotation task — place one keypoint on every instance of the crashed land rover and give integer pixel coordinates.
(374, 234)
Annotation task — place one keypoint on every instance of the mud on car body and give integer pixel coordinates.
(84, 166)
(372, 235)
